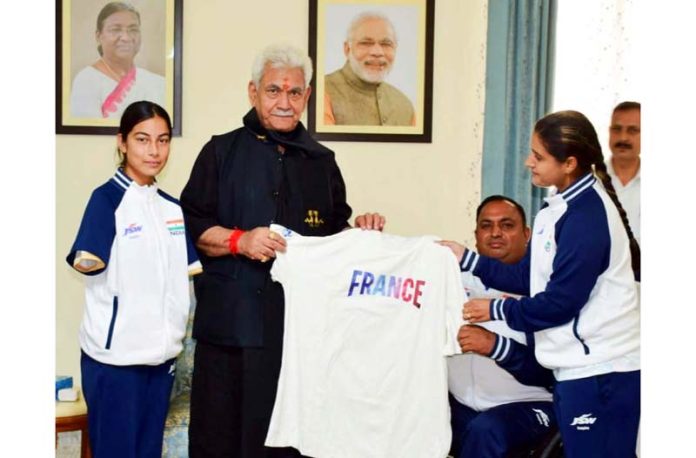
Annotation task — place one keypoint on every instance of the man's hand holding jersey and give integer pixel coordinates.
(476, 339)
(370, 221)
(261, 244)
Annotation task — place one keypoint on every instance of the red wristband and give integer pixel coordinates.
(234, 240)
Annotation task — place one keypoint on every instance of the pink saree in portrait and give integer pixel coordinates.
(111, 104)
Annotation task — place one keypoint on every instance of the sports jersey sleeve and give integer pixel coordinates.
(455, 297)
(92, 247)
(520, 362)
(581, 257)
(513, 278)
(199, 198)
(278, 269)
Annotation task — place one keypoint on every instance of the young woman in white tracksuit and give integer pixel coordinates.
(133, 249)
(579, 282)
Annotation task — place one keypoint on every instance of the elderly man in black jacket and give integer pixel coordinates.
(268, 171)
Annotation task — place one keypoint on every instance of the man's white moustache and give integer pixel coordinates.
(287, 114)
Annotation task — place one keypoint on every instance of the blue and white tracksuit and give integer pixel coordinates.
(499, 403)
(137, 305)
(583, 308)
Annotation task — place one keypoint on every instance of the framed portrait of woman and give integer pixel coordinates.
(110, 54)
(374, 67)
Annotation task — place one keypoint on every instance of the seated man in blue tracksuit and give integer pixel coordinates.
(499, 394)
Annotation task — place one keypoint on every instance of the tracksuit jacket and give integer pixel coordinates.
(582, 298)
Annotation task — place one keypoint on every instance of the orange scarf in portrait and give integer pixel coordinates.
(110, 105)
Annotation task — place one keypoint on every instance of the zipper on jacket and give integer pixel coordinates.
(161, 242)
(113, 322)
(585, 348)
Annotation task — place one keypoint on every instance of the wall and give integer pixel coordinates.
(421, 188)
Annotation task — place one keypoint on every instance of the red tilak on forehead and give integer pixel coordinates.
(286, 86)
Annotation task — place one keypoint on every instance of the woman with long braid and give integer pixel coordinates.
(580, 294)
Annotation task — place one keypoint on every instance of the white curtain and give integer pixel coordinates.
(596, 59)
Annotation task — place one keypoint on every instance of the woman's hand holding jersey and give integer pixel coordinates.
(477, 310)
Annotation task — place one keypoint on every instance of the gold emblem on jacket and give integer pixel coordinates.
(313, 219)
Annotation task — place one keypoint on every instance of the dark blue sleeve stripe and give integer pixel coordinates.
(501, 348)
(119, 180)
(171, 199)
(468, 261)
(496, 309)
(496, 346)
(506, 349)
(192, 254)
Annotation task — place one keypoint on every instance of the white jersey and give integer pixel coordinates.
(477, 381)
(369, 319)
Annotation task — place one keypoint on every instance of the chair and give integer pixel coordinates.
(175, 443)
(72, 416)
(549, 447)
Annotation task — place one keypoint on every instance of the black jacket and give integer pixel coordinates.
(241, 180)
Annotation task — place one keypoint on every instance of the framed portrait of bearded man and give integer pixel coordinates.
(110, 54)
(373, 70)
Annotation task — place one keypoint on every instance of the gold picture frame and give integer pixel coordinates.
(411, 71)
(87, 109)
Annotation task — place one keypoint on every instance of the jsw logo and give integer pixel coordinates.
(585, 419)
(132, 229)
(541, 416)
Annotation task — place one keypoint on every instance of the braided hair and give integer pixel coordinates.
(570, 133)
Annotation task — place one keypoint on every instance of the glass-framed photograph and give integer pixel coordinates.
(373, 70)
(111, 54)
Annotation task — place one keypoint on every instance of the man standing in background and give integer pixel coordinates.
(624, 165)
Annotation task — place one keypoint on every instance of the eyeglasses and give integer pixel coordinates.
(132, 31)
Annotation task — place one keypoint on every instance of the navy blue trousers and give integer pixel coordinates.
(599, 416)
(126, 407)
(497, 431)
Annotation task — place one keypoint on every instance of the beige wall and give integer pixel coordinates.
(421, 188)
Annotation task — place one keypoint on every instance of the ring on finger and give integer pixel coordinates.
(271, 235)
